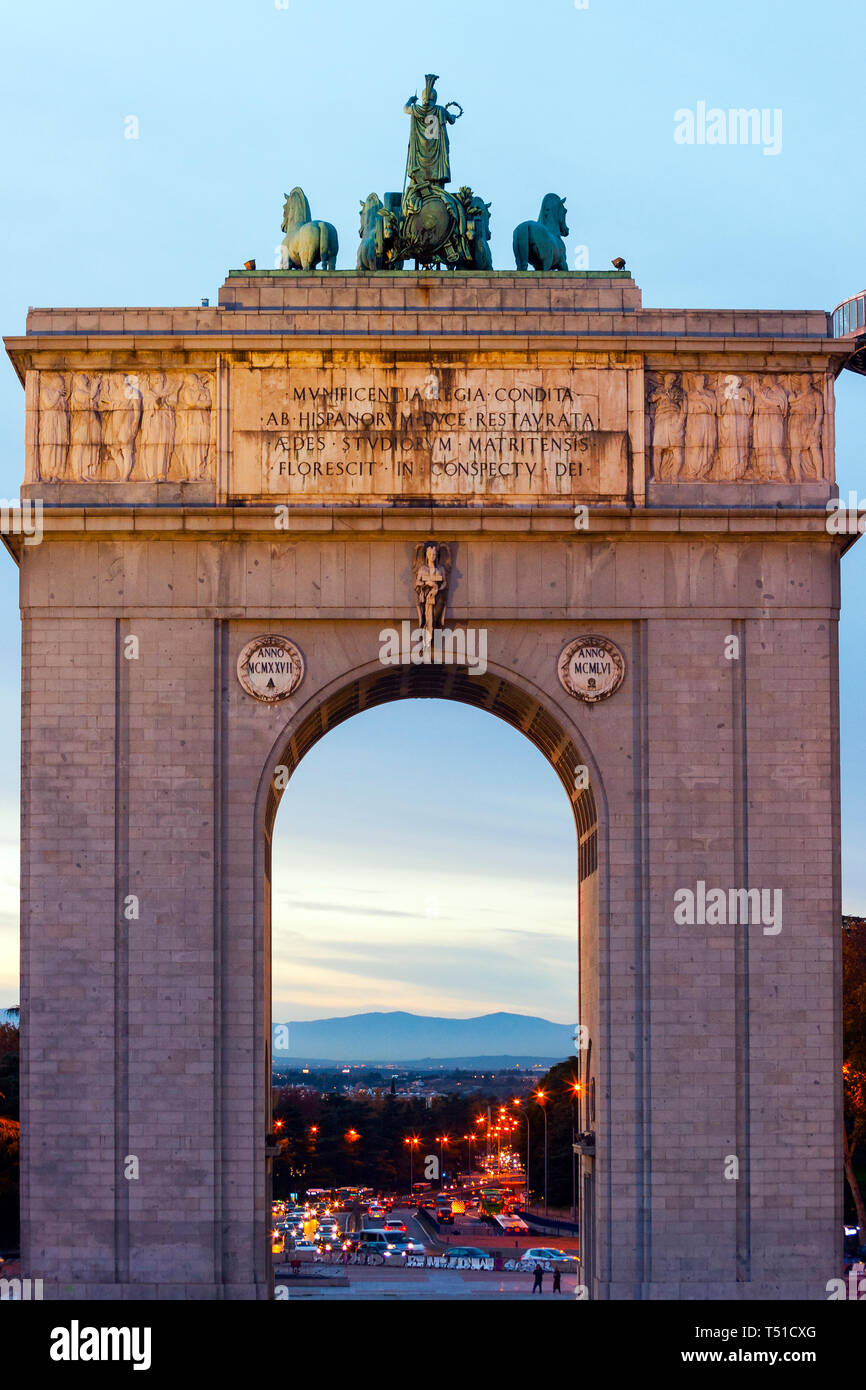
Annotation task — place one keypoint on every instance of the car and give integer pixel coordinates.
(394, 1223)
(466, 1252)
(549, 1253)
(513, 1225)
(378, 1242)
(407, 1245)
(303, 1246)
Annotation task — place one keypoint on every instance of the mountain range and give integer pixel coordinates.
(403, 1037)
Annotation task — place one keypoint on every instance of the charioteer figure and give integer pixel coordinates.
(428, 161)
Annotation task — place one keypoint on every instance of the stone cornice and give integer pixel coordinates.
(256, 522)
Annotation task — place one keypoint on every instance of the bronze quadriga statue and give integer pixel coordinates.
(427, 223)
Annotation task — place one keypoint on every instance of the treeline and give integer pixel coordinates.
(9, 1136)
(854, 1067)
(340, 1140)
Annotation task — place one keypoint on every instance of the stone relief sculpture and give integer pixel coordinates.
(193, 425)
(714, 427)
(770, 405)
(805, 423)
(85, 431)
(120, 410)
(156, 440)
(123, 427)
(431, 571)
(669, 425)
(735, 427)
(53, 440)
(702, 431)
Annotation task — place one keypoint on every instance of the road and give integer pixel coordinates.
(380, 1279)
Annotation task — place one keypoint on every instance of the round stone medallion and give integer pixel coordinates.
(270, 668)
(591, 668)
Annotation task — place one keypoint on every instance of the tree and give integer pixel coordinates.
(854, 1054)
(9, 1059)
(558, 1088)
(9, 1135)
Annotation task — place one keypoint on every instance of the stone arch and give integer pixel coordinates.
(508, 697)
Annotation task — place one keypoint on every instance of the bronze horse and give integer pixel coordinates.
(306, 242)
(540, 243)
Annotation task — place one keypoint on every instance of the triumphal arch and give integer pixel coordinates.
(604, 523)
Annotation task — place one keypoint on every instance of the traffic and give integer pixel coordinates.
(474, 1222)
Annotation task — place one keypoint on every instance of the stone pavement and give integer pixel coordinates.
(432, 1284)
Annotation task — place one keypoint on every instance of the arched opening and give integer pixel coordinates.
(520, 707)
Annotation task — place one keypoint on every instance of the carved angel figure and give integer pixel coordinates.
(431, 571)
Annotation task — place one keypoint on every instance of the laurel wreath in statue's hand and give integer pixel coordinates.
(449, 104)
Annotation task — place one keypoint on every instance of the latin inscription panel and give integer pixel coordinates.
(473, 434)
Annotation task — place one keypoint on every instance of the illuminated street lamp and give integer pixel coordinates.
(470, 1140)
(352, 1136)
(412, 1143)
(575, 1095)
(541, 1098)
(442, 1140)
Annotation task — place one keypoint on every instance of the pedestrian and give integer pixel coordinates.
(537, 1286)
(557, 1281)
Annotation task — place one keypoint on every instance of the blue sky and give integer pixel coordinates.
(238, 101)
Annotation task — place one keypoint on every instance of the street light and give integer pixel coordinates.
(412, 1142)
(442, 1140)
(575, 1094)
(470, 1140)
(541, 1097)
